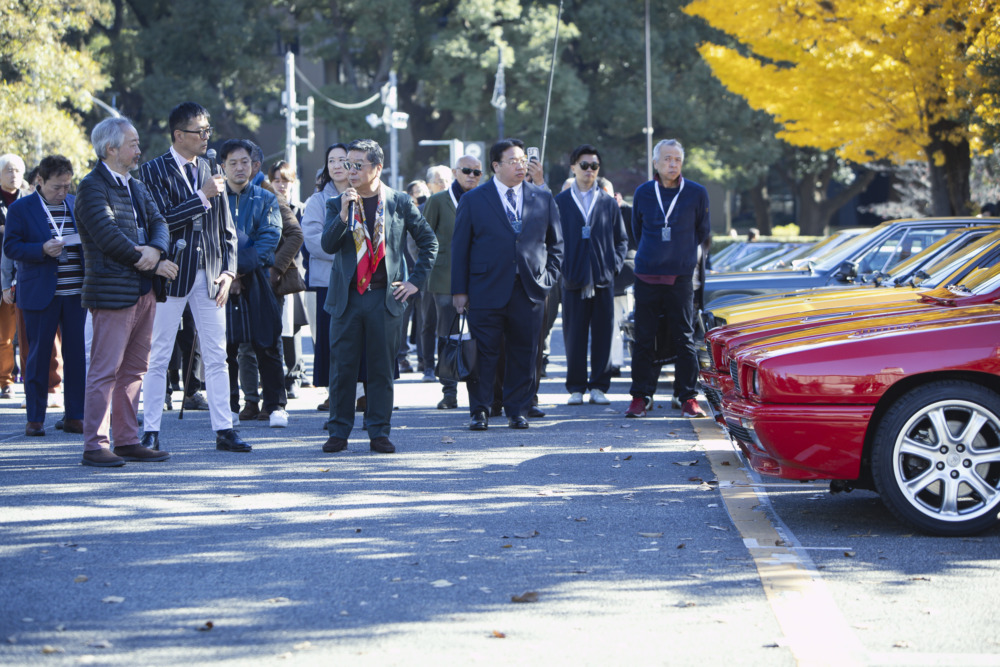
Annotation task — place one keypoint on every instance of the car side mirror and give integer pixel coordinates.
(848, 270)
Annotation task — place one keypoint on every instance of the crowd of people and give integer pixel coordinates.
(191, 266)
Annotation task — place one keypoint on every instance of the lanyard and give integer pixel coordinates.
(593, 202)
(58, 230)
(451, 193)
(659, 200)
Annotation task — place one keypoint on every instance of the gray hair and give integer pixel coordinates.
(11, 157)
(109, 133)
(439, 171)
(371, 149)
(667, 142)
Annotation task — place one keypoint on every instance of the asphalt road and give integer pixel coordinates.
(639, 542)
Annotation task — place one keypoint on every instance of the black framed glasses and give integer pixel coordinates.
(356, 166)
(204, 133)
(589, 165)
(470, 170)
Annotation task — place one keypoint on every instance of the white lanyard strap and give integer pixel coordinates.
(58, 230)
(451, 193)
(579, 204)
(659, 199)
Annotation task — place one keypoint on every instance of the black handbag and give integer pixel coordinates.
(458, 358)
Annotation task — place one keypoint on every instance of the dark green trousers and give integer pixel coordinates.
(365, 325)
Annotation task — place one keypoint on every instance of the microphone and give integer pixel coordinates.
(179, 246)
(210, 154)
(350, 213)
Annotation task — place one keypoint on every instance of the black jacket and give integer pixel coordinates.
(109, 232)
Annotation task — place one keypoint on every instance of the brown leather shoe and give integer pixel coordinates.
(382, 445)
(101, 458)
(249, 412)
(34, 428)
(334, 444)
(141, 454)
(73, 426)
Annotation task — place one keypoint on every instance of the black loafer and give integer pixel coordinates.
(228, 440)
(151, 440)
(518, 422)
(535, 413)
(448, 403)
(334, 444)
(479, 422)
(382, 445)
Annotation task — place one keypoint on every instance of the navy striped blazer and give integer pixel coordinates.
(181, 208)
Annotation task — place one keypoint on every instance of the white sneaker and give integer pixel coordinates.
(55, 400)
(279, 419)
(576, 398)
(597, 396)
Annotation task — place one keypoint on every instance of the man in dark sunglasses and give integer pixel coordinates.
(440, 214)
(595, 247)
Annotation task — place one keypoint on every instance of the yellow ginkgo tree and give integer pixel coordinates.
(889, 80)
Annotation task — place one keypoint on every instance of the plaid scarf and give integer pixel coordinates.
(369, 251)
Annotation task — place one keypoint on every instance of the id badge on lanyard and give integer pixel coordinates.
(665, 235)
(585, 230)
(64, 255)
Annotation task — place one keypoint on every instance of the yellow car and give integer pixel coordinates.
(902, 284)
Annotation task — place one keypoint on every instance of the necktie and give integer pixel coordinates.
(192, 178)
(511, 214)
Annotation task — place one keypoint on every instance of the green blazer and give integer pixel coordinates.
(401, 218)
(440, 214)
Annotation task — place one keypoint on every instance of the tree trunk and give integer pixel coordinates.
(761, 200)
(949, 164)
(816, 207)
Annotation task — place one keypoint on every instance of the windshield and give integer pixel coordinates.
(979, 282)
(944, 267)
(902, 270)
(836, 255)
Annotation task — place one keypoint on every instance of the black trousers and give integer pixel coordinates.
(676, 302)
(516, 329)
(592, 318)
(272, 376)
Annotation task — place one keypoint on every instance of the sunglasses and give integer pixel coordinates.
(470, 170)
(355, 166)
(589, 165)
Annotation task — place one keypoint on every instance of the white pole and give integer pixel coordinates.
(291, 133)
(396, 181)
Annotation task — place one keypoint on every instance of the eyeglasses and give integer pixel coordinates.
(356, 166)
(516, 161)
(204, 132)
(589, 165)
(470, 170)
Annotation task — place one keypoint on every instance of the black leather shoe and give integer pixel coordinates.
(60, 423)
(228, 440)
(448, 403)
(168, 402)
(534, 413)
(151, 440)
(73, 425)
(334, 444)
(34, 429)
(479, 422)
(382, 445)
(518, 422)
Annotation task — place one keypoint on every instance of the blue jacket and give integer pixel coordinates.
(486, 254)
(690, 226)
(27, 231)
(259, 218)
(602, 255)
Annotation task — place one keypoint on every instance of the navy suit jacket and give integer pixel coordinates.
(27, 231)
(181, 207)
(486, 254)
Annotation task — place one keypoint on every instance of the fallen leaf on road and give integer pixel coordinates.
(605, 449)
(719, 528)
(324, 470)
(278, 600)
(303, 646)
(441, 583)
(528, 535)
(113, 599)
(530, 596)
(448, 440)
(686, 463)
(695, 479)
(52, 649)
(680, 546)
(498, 634)
(627, 458)
(725, 463)
(208, 625)
(80, 578)
(687, 603)
(103, 643)
(849, 554)
(507, 546)
(650, 534)
(582, 518)
(920, 578)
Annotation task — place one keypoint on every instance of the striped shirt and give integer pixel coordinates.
(69, 280)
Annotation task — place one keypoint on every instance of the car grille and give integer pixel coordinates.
(734, 373)
(714, 396)
(739, 433)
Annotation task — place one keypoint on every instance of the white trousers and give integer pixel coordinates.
(211, 323)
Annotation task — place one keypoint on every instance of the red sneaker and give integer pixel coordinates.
(637, 408)
(692, 410)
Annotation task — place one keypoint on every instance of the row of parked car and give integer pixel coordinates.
(874, 365)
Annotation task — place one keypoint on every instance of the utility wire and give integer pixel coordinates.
(339, 105)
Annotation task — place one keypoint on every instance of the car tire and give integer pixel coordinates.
(936, 458)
